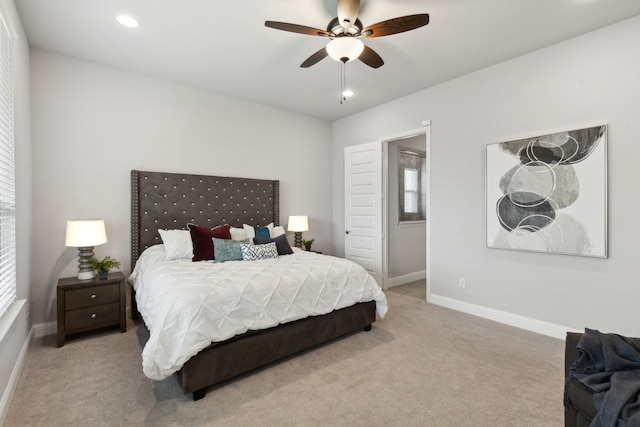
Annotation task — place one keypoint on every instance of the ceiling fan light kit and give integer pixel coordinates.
(345, 32)
(345, 49)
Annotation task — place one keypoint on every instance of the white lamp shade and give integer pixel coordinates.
(298, 223)
(85, 232)
(345, 47)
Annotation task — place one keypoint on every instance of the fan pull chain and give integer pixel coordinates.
(341, 82)
(343, 79)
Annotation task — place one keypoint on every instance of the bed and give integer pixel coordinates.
(169, 201)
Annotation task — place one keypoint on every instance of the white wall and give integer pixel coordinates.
(586, 80)
(14, 342)
(93, 124)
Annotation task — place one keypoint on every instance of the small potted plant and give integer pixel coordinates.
(307, 244)
(104, 265)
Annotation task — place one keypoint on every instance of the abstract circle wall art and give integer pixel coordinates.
(549, 193)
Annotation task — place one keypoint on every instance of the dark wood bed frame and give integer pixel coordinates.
(162, 200)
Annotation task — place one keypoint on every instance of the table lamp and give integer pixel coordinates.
(298, 224)
(84, 234)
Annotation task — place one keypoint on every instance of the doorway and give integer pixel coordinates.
(405, 211)
(374, 236)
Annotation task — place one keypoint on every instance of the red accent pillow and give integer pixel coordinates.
(202, 243)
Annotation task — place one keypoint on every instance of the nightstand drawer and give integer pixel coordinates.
(92, 296)
(92, 317)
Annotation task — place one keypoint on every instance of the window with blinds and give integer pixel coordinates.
(7, 174)
(412, 180)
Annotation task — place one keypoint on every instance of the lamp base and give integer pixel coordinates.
(85, 271)
(297, 239)
(86, 275)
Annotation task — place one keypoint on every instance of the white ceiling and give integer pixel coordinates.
(223, 46)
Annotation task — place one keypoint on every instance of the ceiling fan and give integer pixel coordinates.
(345, 32)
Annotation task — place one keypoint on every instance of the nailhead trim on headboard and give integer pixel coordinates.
(162, 200)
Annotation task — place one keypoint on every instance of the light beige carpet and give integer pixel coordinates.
(422, 365)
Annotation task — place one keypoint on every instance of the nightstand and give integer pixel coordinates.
(85, 305)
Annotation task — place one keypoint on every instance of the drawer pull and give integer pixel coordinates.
(93, 315)
(93, 296)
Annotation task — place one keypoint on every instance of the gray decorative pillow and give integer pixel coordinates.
(227, 250)
(256, 252)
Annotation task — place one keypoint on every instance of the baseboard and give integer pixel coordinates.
(406, 278)
(44, 329)
(15, 378)
(522, 322)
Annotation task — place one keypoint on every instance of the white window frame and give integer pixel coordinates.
(8, 286)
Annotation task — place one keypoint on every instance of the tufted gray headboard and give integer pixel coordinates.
(161, 200)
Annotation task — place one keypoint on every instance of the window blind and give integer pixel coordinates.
(7, 173)
(411, 188)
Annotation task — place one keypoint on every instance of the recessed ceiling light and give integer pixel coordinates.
(127, 21)
(347, 93)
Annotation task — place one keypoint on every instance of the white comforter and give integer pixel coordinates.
(187, 305)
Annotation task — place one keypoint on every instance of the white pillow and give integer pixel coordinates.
(276, 231)
(250, 232)
(237, 233)
(177, 244)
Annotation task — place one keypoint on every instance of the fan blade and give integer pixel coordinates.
(348, 12)
(371, 58)
(315, 58)
(295, 28)
(396, 25)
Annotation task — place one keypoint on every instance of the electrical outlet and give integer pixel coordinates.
(462, 283)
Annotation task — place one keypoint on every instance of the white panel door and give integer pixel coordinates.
(363, 206)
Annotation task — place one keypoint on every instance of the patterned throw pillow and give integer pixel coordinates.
(227, 250)
(282, 244)
(256, 252)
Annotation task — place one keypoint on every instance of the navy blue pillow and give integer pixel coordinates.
(261, 232)
(282, 244)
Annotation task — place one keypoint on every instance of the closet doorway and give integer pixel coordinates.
(406, 212)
